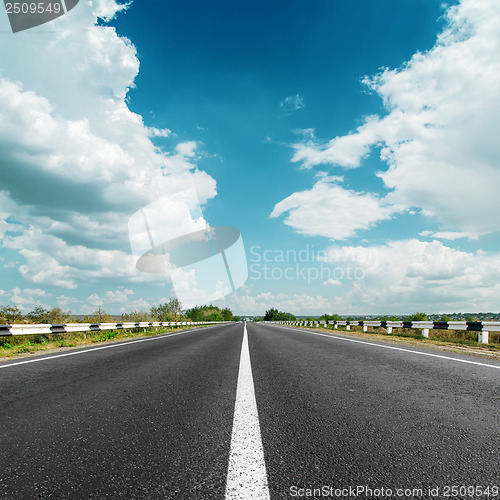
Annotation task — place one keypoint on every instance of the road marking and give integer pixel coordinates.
(246, 477)
(397, 348)
(92, 349)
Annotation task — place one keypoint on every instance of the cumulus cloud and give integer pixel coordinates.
(332, 282)
(330, 210)
(117, 301)
(346, 151)
(401, 276)
(27, 298)
(298, 303)
(439, 137)
(75, 161)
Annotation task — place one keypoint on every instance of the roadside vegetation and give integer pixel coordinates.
(275, 315)
(170, 311)
(437, 336)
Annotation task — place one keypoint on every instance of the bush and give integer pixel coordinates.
(418, 316)
(275, 315)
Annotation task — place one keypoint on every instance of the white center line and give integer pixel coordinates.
(246, 477)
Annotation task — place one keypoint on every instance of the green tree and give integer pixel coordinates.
(137, 317)
(389, 318)
(331, 317)
(170, 311)
(11, 314)
(39, 315)
(215, 316)
(275, 315)
(195, 314)
(226, 314)
(203, 313)
(54, 316)
(99, 316)
(418, 316)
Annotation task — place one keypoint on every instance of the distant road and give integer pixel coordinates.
(155, 419)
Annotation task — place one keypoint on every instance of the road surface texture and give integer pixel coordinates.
(189, 415)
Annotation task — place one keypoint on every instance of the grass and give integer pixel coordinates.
(11, 347)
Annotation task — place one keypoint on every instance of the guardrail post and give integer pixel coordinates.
(425, 333)
(336, 326)
(347, 327)
(389, 329)
(482, 337)
(365, 328)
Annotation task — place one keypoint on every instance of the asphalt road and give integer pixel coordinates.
(154, 419)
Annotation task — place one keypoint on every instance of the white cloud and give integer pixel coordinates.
(332, 282)
(330, 210)
(298, 303)
(49, 260)
(449, 235)
(76, 161)
(346, 151)
(292, 103)
(403, 276)
(440, 136)
(26, 299)
(113, 302)
(64, 301)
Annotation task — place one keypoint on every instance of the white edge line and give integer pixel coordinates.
(246, 476)
(394, 348)
(121, 344)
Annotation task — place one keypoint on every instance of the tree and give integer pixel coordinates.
(99, 316)
(271, 314)
(203, 313)
(54, 316)
(275, 315)
(170, 311)
(137, 317)
(227, 315)
(418, 316)
(11, 314)
(331, 317)
(215, 316)
(195, 314)
(39, 315)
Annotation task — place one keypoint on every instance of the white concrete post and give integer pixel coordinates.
(389, 329)
(425, 333)
(347, 327)
(335, 326)
(482, 338)
(365, 328)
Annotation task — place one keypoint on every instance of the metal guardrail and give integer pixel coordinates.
(482, 327)
(27, 329)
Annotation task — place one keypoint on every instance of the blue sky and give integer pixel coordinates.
(360, 133)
